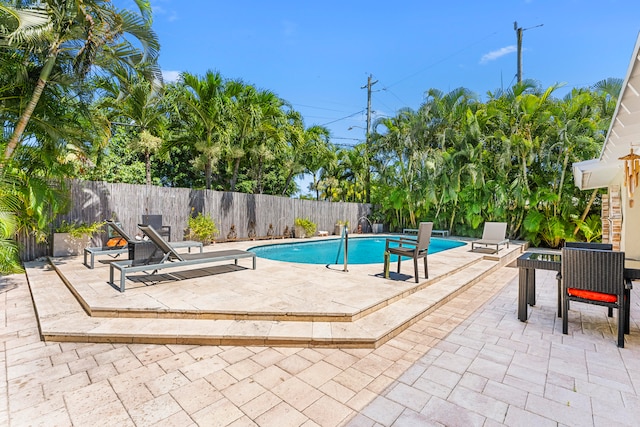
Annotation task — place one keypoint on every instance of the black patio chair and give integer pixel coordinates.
(596, 276)
(586, 245)
(156, 222)
(589, 245)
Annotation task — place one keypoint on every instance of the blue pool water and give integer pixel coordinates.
(362, 250)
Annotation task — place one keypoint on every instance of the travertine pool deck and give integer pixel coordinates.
(469, 362)
(279, 303)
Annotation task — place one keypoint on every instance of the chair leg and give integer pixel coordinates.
(399, 259)
(426, 270)
(627, 310)
(559, 279)
(609, 312)
(565, 313)
(415, 268)
(622, 316)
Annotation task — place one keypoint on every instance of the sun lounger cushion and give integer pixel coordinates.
(116, 242)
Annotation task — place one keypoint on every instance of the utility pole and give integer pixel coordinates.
(519, 31)
(519, 46)
(367, 179)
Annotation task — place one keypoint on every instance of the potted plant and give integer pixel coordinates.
(377, 217)
(337, 229)
(202, 229)
(70, 238)
(304, 227)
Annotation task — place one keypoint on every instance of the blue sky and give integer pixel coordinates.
(318, 55)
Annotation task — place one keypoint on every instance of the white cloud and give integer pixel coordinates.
(158, 10)
(493, 55)
(170, 76)
(173, 16)
(289, 28)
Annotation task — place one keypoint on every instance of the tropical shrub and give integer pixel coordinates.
(79, 229)
(202, 228)
(591, 228)
(9, 261)
(307, 225)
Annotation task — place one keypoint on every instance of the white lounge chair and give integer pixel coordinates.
(494, 234)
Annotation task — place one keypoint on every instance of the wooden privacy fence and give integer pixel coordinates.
(93, 201)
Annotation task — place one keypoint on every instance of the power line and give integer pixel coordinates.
(345, 117)
(386, 88)
(395, 95)
(443, 59)
(318, 108)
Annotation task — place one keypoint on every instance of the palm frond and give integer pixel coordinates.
(18, 26)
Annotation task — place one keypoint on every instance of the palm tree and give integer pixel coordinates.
(610, 89)
(302, 145)
(400, 157)
(322, 153)
(82, 33)
(271, 137)
(138, 103)
(441, 113)
(205, 121)
(245, 115)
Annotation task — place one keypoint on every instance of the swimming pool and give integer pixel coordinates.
(362, 250)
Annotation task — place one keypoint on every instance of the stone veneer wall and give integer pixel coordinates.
(612, 217)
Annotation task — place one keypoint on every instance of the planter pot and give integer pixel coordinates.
(299, 232)
(337, 230)
(66, 245)
(377, 228)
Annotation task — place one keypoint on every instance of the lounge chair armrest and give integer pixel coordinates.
(165, 230)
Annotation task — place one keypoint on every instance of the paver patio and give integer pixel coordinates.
(468, 362)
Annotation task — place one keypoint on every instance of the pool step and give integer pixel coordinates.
(63, 318)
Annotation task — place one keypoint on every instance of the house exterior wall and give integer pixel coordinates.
(630, 225)
(621, 220)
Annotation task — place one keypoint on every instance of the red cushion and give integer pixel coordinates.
(595, 296)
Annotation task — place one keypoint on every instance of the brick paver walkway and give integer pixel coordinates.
(470, 362)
